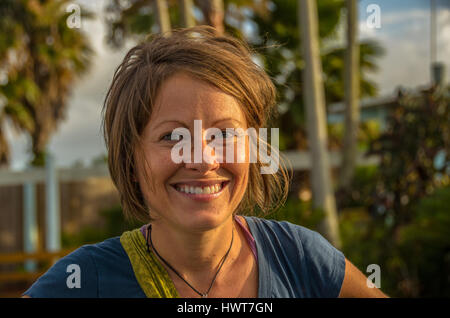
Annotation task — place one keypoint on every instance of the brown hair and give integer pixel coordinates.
(220, 60)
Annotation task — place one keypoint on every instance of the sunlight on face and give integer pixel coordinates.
(182, 99)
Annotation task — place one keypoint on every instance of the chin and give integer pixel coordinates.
(202, 219)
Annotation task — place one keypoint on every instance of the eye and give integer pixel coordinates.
(168, 137)
(228, 134)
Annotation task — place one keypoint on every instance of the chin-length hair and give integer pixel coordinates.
(220, 60)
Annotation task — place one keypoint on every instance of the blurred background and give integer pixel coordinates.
(363, 116)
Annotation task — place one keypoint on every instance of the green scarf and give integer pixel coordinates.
(150, 274)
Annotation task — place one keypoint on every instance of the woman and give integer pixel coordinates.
(196, 244)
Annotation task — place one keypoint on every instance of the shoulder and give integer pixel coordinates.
(308, 260)
(286, 232)
(77, 274)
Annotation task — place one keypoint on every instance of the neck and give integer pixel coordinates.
(195, 254)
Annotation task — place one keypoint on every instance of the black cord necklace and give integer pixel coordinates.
(203, 295)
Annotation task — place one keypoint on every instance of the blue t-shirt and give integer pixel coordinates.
(293, 262)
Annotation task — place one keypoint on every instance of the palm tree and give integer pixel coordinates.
(314, 96)
(351, 81)
(213, 13)
(4, 148)
(162, 16)
(187, 17)
(277, 34)
(136, 19)
(41, 57)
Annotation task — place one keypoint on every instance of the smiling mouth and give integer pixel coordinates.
(201, 193)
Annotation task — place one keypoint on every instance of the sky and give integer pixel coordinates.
(403, 30)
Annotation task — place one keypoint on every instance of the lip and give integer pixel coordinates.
(203, 197)
(200, 183)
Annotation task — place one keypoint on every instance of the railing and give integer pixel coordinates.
(23, 258)
(51, 177)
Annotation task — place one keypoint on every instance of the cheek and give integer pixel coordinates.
(156, 169)
(240, 172)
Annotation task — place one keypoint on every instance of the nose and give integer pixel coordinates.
(207, 155)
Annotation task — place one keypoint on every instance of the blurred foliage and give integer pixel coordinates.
(424, 246)
(134, 19)
(397, 215)
(414, 261)
(278, 41)
(369, 130)
(40, 58)
(298, 212)
(414, 153)
(114, 225)
(128, 20)
(271, 27)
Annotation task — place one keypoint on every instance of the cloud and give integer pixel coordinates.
(405, 35)
(443, 38)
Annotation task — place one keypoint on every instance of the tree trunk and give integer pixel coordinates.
(4, 148)
(162, 16)
(45, 126)
(187, 18)
(314, 98)
(213, 12)
(349, 152)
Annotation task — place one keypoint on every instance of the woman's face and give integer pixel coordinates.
(181, 100)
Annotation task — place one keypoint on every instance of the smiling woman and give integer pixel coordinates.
(167, 83)
(196, 242)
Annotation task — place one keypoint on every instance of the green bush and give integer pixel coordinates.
(115, 225)
(298, 212)
(424, 245)
(414, 259)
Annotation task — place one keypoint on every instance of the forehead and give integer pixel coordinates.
(185, 98)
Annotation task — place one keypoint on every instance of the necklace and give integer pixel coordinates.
(203, 295)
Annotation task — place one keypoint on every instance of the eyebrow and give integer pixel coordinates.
(227, 119)
(171, 121)
(186, 126)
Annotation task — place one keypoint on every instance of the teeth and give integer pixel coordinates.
(198, 190)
